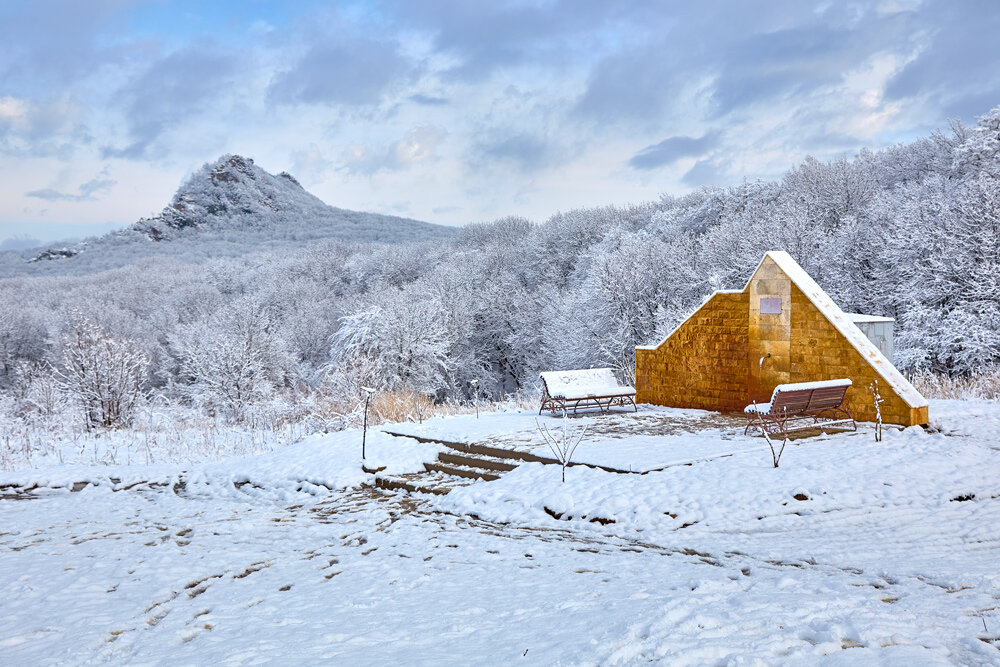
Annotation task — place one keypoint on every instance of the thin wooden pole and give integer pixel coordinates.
(364, 431)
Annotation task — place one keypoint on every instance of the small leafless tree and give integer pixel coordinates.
(563, 443)
(775, 454)
(877, 398)
(103, 374)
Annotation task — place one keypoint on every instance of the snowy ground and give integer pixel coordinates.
(889, 555)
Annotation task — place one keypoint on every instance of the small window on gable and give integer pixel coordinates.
(770, 306)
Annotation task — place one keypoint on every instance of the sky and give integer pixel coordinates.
(455, 111)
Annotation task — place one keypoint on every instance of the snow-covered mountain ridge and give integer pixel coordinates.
(229, 207)
(234, 193)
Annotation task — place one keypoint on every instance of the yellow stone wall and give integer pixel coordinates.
(712, 361)
(703, 364)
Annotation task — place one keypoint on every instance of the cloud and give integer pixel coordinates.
(670, 150)
(637, 83)
(349, 71)
(704, 172)
(13, 112)
(429, 100)
(957, 70)
(742, 54)
(481, 38)
(768, 65)
(54, 44)
(525, 151)
(310, 166)
(41, 128)
(85, 192)
(172, 89)
(417, 145)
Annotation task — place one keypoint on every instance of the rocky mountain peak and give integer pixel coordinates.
(230, 190)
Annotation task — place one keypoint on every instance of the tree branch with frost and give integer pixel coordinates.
(878, 400)
(563, 444)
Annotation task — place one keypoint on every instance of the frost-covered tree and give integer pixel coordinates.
(397, 342)
(102, 373)
(233, 358)
(23, 335)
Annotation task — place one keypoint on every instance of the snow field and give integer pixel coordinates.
(320, 463)
(888, 557)
(363, 579)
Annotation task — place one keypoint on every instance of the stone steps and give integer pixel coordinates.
(495, 452)
(415, 483)
(468, 472)
(460, 465)
(475, 462)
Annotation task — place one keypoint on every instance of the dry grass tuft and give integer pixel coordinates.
(982, 384)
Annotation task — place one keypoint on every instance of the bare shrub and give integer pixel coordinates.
(775, 453)
(562, 443)
(103, 374)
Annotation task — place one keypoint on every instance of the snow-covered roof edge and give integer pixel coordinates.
(839, 319)
(861, 317)
(693, 313)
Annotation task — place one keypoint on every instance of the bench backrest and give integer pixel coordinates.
(573, 384)
(809, 396)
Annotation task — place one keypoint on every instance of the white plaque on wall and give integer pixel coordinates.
(770, 306)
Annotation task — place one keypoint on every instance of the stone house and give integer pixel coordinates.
(780, 328)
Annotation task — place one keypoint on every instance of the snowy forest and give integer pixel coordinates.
(910, 231)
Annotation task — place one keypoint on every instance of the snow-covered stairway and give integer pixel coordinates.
(462, 464)
(476, 466)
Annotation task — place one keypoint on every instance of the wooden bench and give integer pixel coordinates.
(802, 405)
(590, 388)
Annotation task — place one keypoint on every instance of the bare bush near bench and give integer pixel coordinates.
(563, 443)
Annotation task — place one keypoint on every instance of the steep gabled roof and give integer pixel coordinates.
(842, 322)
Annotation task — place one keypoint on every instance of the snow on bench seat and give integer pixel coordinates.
(592, 387)
(765, 408)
